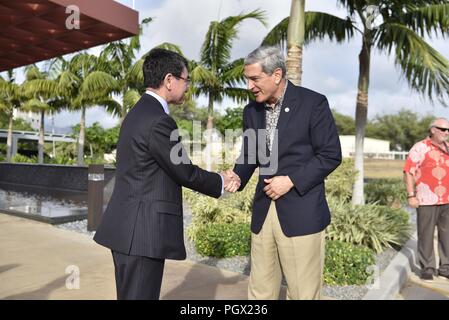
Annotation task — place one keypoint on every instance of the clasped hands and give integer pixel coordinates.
(275, 187)
(231, 181)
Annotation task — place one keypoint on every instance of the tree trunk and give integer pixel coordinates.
(361, 115)
(123, 109)
(9, 139)
(81, 138)
(40, 148)
(209, 127)
(295, 41)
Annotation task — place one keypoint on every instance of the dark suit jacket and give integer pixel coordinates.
(144, 216)
(308, 150)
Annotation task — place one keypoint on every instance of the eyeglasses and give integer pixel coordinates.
(442, 129)
(187, 80)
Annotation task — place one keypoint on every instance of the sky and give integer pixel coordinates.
(329, 68)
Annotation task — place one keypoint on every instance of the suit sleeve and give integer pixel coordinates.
(172, 157)
(247, 161)
(327, 150)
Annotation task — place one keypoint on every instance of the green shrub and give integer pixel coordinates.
(340, 182)
(223, 240)
(346, 264)
(388, 192)
(18, 158)
(230, 208)
(374, 226)
(62, 159)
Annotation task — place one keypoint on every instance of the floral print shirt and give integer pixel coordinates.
(429, 165)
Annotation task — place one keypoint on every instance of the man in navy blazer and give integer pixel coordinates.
(143, 223)
(290, 135)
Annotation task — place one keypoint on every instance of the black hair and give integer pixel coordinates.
(158, 63)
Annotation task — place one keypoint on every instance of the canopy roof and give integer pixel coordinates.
(36, 30)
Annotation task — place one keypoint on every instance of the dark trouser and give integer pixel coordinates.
(428, 218)
(137, 278)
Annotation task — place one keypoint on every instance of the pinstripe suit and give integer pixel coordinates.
(144, 219)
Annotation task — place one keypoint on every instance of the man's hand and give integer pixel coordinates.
(413, 202)
(277, 186)
(231, 181)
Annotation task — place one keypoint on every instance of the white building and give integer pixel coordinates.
(372, 148)
(30, 117)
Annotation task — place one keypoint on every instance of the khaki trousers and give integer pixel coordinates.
(301, 259)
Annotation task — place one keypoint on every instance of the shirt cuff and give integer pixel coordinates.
(222, 183)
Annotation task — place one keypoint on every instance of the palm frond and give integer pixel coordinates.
(35, 105)
(425, 69)
(134, 43)
(43, 88)
(428, 19)
(99, 83)
(216, 48)
(318, 25)
(32, 72)
(83, 63)
(232, 74)
(204, 77)
(134, 77)
(171, 47)
(112, 107)
(68, 83)
(241, 95)
(130, 99)
(277, 35)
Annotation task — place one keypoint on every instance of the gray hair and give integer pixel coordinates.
(270, 58)
(434, 122)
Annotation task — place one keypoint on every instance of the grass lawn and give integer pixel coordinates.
(377, 168)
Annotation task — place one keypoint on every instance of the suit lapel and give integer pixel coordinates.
(289, 104)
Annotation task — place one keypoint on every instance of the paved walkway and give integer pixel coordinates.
(416, 289)
(39, 261)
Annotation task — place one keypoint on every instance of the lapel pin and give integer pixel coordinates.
(287, 109)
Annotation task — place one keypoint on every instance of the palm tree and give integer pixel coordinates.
(215, 75)
(84, 83)
(41, 92)
(10, 99)
(121, 56)
(295, 41)
(402, 34)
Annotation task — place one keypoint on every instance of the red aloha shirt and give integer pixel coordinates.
(429, 165)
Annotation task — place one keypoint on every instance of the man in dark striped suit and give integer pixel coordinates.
(143, 223)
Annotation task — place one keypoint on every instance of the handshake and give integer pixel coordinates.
(231, 180)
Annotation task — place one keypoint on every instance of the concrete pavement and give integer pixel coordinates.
(39, 261)
(417, 289)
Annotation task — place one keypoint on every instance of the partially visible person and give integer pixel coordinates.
(290, 212)
(143, 223)
(426, 175)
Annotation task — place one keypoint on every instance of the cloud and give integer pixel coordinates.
(95, 114)
(329, 68)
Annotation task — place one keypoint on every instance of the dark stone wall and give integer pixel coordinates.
(61, 177)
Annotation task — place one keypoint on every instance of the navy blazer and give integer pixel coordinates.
(145, 216)
(308, 149)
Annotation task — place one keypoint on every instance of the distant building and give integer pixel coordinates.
(372, 148)
(370, 145)
(30, 117)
